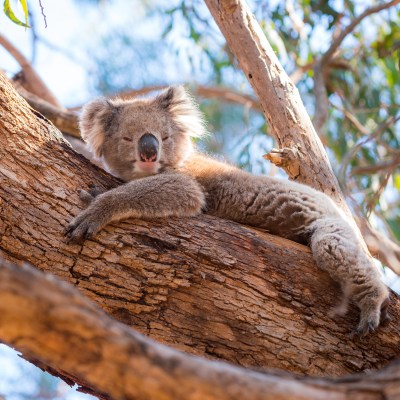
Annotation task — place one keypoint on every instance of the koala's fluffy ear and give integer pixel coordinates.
(183, 109)
(95, 121)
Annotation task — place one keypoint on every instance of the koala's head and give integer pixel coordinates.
(140, 137)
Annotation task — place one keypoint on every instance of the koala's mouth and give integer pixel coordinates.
(147, 167)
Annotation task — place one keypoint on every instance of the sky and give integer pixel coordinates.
(73, 29)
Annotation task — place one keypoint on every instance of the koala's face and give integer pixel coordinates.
(140, 137)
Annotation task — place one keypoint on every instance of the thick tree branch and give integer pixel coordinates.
(204, 285)
(52, 321)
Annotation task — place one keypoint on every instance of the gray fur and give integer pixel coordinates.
(183, 183)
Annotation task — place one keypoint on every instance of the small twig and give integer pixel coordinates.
(353, 119)
(43, 14)
(371, 203)
(376, 133)
(372, 169)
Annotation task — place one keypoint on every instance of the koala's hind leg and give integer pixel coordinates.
(336, 250)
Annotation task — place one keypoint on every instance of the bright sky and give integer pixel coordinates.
(71, 25)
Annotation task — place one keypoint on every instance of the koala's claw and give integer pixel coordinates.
(364, 328)
(83, 227)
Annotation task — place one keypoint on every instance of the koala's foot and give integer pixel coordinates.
(373, 312)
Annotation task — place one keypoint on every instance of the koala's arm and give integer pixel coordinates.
(157, 196)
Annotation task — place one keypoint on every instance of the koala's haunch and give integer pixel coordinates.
(147, 143)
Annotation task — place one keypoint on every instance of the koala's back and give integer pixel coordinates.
(284, 208)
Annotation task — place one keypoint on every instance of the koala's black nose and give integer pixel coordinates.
(148, 148)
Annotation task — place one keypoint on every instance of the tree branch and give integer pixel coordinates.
(65, 121)
(320, 92)
(30, 80)
(204, 285)
(53, 322)
(381, 247)
(348, 29)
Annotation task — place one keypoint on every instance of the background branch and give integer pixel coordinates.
(322, 64)
(353, 24)
(30, 79)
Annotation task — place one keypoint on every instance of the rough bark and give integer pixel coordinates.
(203, 285)
(117, 361)
(66, 121)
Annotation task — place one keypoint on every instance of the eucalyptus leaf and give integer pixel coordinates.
(10, 14)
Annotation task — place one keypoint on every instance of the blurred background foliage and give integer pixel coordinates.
(120, 45)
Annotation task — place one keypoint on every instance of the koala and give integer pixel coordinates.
(147, 143)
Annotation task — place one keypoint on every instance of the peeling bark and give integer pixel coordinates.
(204, 285)
(117, 361)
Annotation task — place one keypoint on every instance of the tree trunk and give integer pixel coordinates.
(203, 285)
(115, 360)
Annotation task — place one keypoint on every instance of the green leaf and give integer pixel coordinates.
(10, 14)
(24, 5)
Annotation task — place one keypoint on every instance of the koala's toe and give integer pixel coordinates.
(85, 196)
(74, 234)
(366, 326)
(94, 190)
(385, 317)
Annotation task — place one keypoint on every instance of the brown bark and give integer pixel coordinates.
(109, 357)
(66, 121)
(203, 285)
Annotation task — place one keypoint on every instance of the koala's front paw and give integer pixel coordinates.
(83, 227)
